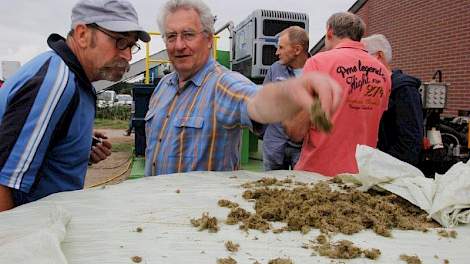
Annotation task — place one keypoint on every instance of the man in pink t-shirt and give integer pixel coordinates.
(366, 88)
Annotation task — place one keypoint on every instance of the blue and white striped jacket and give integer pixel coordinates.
(46, 121)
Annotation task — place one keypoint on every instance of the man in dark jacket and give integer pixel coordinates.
(401, 126)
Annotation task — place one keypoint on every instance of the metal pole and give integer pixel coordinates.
(147, 63)
(229, 25)
(147, 58)
(214, 48)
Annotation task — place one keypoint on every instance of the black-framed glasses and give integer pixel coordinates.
(187, 35)
(121, 43)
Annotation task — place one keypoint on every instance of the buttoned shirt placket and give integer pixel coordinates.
(165, 123)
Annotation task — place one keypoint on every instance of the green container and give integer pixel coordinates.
(138, 168)
(223, 57)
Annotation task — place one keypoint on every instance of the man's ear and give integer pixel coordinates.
(329, 33)
(298, 49)
(82, 35)
(380, 55)
(210, 37)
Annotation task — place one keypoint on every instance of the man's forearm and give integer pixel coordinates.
(274, 102)
(278, 101)
(6, 201)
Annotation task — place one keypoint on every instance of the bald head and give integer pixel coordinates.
(297, 35)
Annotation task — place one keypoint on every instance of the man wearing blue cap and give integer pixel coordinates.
(47, 108)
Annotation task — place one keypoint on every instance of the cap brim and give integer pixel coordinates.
(125, 26)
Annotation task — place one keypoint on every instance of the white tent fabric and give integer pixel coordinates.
(103, 225)
(446, 199)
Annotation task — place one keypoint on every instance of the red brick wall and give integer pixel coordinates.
(427, 36)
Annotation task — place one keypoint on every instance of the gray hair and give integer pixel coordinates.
(297, 35)
(378, 42)
(205, 15)
(346, 24)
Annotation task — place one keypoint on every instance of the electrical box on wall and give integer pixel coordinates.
(255, 40)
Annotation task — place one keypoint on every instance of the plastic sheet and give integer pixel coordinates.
(446, 199)
(32, 234)
(103, 227)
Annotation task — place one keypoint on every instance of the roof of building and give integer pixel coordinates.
(135, 69)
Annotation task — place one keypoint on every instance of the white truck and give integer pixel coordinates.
(123, 100)
(106, 99)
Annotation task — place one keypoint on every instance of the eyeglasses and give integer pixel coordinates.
(121, 43)
(170, 37)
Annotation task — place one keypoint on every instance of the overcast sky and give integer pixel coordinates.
(25, 24)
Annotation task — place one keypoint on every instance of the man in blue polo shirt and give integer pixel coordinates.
(280, 152)
(47, 108)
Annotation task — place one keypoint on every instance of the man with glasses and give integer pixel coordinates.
(196, 113)
(47, 108)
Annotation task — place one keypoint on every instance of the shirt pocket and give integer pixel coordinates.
(188, 130)
(189, 122)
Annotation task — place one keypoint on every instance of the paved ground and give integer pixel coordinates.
(116, 168)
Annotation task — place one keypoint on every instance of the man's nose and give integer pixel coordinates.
(179, 43)
(126, 54)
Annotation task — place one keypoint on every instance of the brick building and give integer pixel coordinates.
(426, 36)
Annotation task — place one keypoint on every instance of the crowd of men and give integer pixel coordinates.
(198, 111)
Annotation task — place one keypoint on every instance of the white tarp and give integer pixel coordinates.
(32, 234)
(103, 225)
(446, 199)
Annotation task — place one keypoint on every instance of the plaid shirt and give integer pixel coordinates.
(197, 127)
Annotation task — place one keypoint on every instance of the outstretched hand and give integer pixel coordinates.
(316, 85)
(322, 86)
(280, 101)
